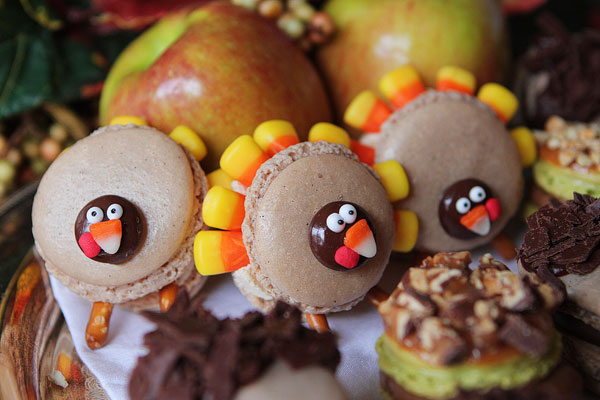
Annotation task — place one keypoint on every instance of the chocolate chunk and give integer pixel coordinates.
(517, 332)
(593, 209)
(536, 240)
(577, 253)
(585, 267)
(573, 230)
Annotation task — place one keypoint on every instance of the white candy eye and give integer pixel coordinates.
(115, 211)
(348, 213)
(477, 194)
(94, 215)
(335, 222)
(463, 205)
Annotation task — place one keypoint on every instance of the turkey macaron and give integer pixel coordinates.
(115, 215)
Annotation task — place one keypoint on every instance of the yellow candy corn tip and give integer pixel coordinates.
(499, 98)
(460, 75)
(219, 178)
(238, 154)
(407, 230)
(329, 133)
(223, 208)
(394, 179)
(207, 256)
(399, 77)
(190, 140)
(357, 112)
(270, 131)
(127, 119)
(525, 144)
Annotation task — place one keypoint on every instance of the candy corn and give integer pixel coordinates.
(365, 154)
(107, 235)
(360, 239)
(127, 119)
(218, 252)
(394, 179)
(274, 136)
(190, 140)
(329, 133)
(407, 230)
(366, 112)
(219, 178)
(526, 145)
(223, 209)
(401, 85)
(500, 99)
(242, 158)
(455, 78)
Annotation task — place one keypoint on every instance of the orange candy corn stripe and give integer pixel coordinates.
(357, 234)
(281, 143)
(233, 251)
(401, 85)
(275, 135)
(378, 114)
(456, 79)
(473, 216)
(105, 230)
(218, 252)
(365, 154)
(367, 112)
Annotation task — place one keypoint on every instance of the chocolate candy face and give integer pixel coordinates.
(468, 208)
(109, 229)
(342, 236)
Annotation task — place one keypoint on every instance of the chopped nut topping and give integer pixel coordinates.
(577, 143)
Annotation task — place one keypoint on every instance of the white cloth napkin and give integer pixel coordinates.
(357, 332)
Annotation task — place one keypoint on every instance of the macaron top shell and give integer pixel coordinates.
(139, 164)
(441, 138)
(287, 192)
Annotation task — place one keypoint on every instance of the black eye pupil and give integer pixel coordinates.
(340, 221)
(112, 210)
(351, 212)
(93, 213)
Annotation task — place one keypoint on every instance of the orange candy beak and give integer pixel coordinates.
(477, 221)
(108, 235)
(360, 239)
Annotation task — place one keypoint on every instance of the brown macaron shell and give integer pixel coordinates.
(286, 193)
(157, 177)
(441, 138)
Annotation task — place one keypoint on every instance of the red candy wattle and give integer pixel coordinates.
(346, 257)
(493, 208)
(88, 245)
